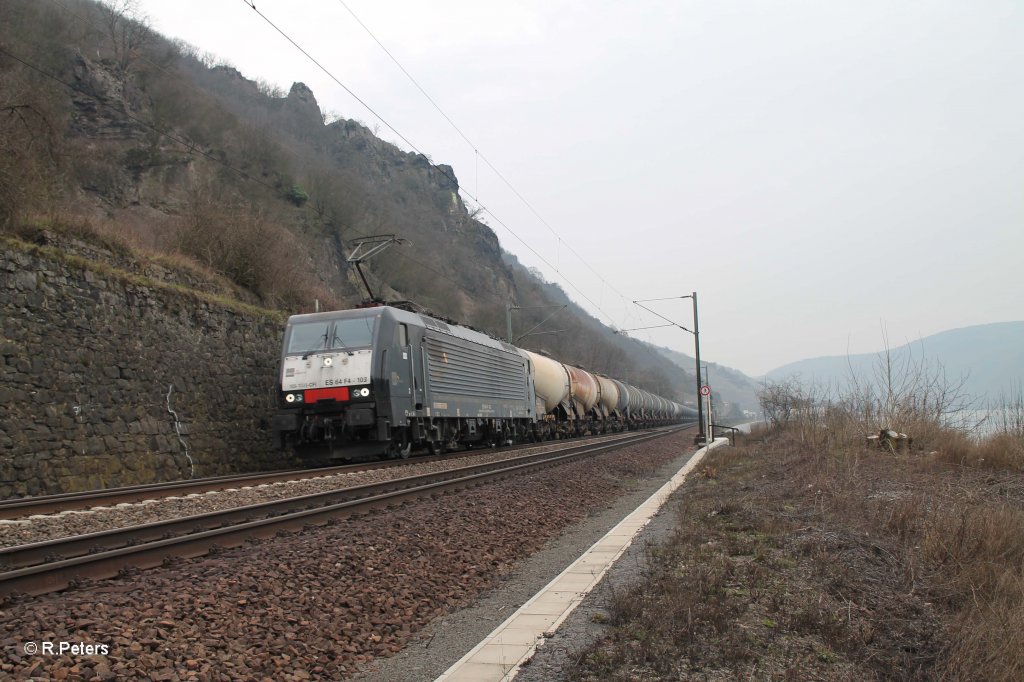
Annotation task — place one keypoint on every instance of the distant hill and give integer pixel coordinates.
(989, 356)
(733, 391)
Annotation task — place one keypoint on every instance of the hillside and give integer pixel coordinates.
(132, 140)
(733, 391)
(990, 359)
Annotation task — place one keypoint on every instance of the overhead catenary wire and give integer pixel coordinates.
(352, 232)
(478, 155)
(474, 197)
(252, 5)
(190, 146)
(193, 148)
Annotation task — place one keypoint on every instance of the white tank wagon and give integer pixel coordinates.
(652, 405)
(622, 406)
(662, 411)
(608, 400)
(643, 404)
(551, 381)
(583, 390)
(659, 411)
(634, 402)
(636, 407)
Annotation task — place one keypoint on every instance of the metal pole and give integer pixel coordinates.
(711, 403)
(508, 310)
(702, 428)
(700, 402)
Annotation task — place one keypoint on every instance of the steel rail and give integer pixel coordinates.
(46, 504)
(137, 547)
(21, 556)
(49, 504)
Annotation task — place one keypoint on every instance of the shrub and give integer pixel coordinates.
(297, 196)
(239, 242)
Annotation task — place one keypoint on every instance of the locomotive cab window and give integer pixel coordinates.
(342, 334)
(403, 335)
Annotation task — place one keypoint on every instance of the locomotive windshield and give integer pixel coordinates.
(310, 337)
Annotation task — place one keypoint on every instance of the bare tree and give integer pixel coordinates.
(904, 391)
(31, 132)
(269, 88)
(778, 401)
(128, 30)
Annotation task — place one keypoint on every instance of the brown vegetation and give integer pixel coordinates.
(238, 241)
(178, 157)
(810, 555)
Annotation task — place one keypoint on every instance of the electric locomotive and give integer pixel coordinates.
(379, 381)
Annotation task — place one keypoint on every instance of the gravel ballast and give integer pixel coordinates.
(41, 527)
(447, 639)
(332, 601)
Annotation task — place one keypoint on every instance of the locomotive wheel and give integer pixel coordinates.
(397, 451)
(437, 447)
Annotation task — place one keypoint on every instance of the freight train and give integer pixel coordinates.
(383, 381)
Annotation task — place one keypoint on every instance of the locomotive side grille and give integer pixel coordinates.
(478, 373)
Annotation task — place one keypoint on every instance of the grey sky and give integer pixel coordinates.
(813, 169)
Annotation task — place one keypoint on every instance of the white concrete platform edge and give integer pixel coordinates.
(495, 658)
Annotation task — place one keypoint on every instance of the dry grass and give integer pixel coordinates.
(1000, 452)
(234, 255)
(41, 229)
(114, 273)
(799, 562)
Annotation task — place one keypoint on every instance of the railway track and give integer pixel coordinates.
(50, 504)
(53, 565)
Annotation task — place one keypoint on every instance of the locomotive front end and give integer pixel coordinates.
(326, 392)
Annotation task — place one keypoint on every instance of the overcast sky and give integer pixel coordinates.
(814, 170)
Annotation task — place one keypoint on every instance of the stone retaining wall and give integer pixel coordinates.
(91, 360)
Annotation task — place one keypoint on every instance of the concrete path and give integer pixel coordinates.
(498, 657)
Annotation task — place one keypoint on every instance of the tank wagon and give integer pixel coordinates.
(382, 381)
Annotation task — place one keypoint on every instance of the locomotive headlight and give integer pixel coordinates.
(328, 362)
(290, 398)
(364, 392)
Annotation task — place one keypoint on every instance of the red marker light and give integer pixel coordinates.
(319, 394)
